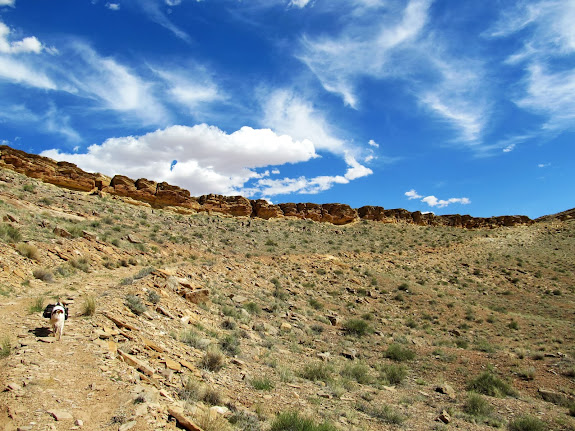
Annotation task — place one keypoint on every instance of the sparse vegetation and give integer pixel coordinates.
(399, 353)
(89, 306)
(135, 304)
(43, 274)
(489, 384)
(5, 347)
(292, 421)
(357, 327)
(527, 423)
(37, 304)
(28, 250)
(213, 359)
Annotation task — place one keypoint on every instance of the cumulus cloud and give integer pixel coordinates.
(208, 159)
(29, 44)
(372, 143)
(432, 201)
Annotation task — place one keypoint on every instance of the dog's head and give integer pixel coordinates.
(58, 310)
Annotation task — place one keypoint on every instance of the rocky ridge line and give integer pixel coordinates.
(163, 195)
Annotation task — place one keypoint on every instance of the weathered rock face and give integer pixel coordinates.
(62, 174)
(161, 195)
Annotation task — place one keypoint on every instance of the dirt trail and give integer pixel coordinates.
(76, 383)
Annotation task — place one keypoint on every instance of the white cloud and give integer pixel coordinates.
(412, 194)
(113, 6)
(153, 9)
(192, 88)
(432, 201)
(208, 159)
(551, 94)
(543, 165)
(20, 72)
(112, 84)
(7, 3)
(509, 148)
(29, 44)
(548, 35)
(288, 113)
(364, 48)
(299, 3)
(372, 143)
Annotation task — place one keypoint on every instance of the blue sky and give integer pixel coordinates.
(446, 106)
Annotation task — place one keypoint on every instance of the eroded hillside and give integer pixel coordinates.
(251, 324)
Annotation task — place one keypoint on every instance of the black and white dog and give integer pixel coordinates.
(58, 314)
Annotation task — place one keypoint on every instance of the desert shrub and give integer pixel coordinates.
(315, 304)
(399, 353)
(28, 250)
(245, 421)
(43, 274)
(192, 391)
(210, 422)
(213, 359)
(358, 372)
(477, 406)
(81, 263)
(527, 373)
(357, 327)
(89, 307)
(316, 371)
(135, 304)
(262, 384)
(37, 305)
(384, 413)
(5, 347)
(126, 281)
(393, 374)
(252, 308)
(292, 421)
(211, 396)
(144, 272)
(153, 297)
(9, 233)
(527, 423)
(229, 324)
(191, 338)
(230, 344)
(29, 187)
(489, 384)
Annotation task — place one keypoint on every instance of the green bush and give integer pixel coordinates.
(135, 304)
(357, 327)
(399, 353)
(527, 423)
(89, 308)
(358, 372)
(316, 371)
(477, 406)
(5, 347)
(393, 374)
(153, 297)
(230, 344)
(262, 384)
(292, 421)
(489, 384)
(384, 413)
(9, 233)
(37, 305)
(81, 263)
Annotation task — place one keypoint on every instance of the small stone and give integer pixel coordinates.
(446, 389)
(79, 423)
(444, 417)
(173, 365)
(13, 387)
(60, 415)
(285, 326)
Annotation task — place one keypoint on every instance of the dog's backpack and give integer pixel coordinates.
(50, 307)
(48, 311)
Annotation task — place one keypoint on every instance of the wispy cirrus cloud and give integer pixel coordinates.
(546, 56)
(395, 41)
(433, 201)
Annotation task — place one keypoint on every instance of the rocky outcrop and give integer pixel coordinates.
(164, 195)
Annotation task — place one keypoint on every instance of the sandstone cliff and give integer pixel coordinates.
(160, 195)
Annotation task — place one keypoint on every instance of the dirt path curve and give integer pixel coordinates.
(77, 383)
